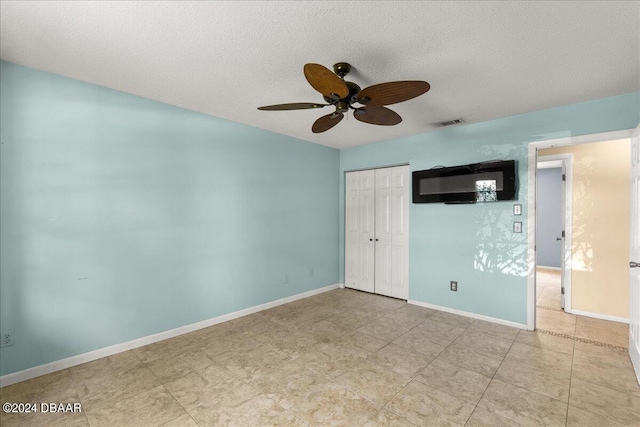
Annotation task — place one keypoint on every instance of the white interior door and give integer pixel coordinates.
(634, 263)
(377, 231)
(563, 202)
(392, 234)
(359, 230)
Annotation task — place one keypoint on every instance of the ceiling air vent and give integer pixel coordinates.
(449, 122)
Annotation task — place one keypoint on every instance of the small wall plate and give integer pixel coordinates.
(517, 209)
(517, 227)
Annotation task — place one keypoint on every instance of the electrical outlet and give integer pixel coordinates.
(286, 279)
(454, 286)
(517, 227)
(7, 339)
(311, 272)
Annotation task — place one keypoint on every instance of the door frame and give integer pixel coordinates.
(531, 203)
(566, 160)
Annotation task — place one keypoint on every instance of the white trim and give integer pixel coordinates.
(69, 362)
(599, 316)
(531, 197)
(551, 164)
(469, 314)
(546, 267)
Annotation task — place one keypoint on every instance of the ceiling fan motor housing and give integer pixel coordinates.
(354, 90)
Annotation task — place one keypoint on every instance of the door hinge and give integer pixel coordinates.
(562, 291)
(564, 176)
(562, 233)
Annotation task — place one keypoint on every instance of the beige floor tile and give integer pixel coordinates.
(198, 387)
(483, 418)
(603, 355)
(242, 407)
(373, 381)
(454, 380)
(484, 344)
(523, 406)
(333, 360)
(103, 391)
(621, 407)
(424, 405)
(385, 418)
(39, 419)
(386, 329)
(495, 330)
(339, 357)
(404, 317)
(591, 322)
(182, 421)
(329, 404)
(54, 387)
(613, 336)
(161, 349)
(553, 316)
(465, 357)
(347, 322)
(547, 324)
(615, 378)
(547, 382)
(151, 407)
(580, 418)
(549, 342)
(452, 319)
(430, 338)
(401, 360)
(539, 357)
(411, 310)
(362, 340)
(248, 362)
(106, 366)
(189, 360)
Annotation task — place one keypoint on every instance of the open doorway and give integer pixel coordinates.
(596, 241)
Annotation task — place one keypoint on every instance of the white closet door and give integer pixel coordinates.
(359, 230)
(392, 233)
(400, 232)
(383, 238)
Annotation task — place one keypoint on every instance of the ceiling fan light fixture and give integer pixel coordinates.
(342, 94)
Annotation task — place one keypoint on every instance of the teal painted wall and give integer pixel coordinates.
(122, 217)
(474, 244)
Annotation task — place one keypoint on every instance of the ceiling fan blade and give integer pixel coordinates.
(325, 123)
(325, 81)
(377, 116)
(292, 106)
(392, 92)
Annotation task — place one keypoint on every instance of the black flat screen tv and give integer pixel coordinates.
(478, 182)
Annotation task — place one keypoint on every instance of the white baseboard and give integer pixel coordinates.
(599, 316)
(469, 314)
(69, 362)
(341, 285)
(546, 267)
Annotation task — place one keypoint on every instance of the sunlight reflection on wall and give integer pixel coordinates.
(498, 248)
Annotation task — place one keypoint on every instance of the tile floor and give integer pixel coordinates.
(352, 359)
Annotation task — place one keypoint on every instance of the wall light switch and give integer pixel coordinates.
(517, 227)
(517, 209)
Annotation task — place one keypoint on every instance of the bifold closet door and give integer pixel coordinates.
(377, 231)
(392, 232)
(359, 230)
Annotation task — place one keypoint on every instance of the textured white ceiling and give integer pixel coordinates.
(484, 60)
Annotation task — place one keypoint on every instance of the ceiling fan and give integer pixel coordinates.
(343, 95)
